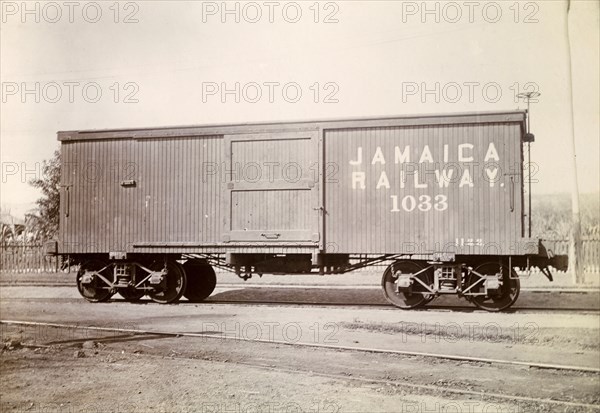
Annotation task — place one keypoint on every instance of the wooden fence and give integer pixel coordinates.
(26, 258)
(590, 253)
(31, 258)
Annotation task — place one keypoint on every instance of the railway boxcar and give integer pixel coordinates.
(439, 198)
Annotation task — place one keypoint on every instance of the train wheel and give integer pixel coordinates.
(92, 287)
(417, 295)
(430, 298)
(174, 284)
(201, 279)
(131, 294)
(507, 293)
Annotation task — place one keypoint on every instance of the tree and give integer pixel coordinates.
(45, 221)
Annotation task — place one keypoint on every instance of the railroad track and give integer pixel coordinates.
(363, 296)
(380, 306)
(483, 395)
(312, 345)
(559, 290)
(385, 306)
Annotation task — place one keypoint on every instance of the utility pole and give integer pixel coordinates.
(575, 236)
(528, 96)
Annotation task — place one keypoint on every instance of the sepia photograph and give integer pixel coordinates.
(300, 206)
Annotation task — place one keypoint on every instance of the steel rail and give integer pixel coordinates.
(427, 387)
(559, 367)
(380, 306)
(300, 286)
(393, 383)
(391, 307)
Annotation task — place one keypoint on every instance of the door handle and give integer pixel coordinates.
(512, 194)
(67, 199)
(271, 236)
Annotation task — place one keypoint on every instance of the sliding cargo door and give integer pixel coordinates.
(271, 191)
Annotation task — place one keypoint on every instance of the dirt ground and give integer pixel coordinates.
(89, 371)
(44, 369)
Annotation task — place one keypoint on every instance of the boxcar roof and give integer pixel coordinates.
(260, 127)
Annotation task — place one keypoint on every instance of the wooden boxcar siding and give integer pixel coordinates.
(174, 200)
(176, 206)
(360, 220)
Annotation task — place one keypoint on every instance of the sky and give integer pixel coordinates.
(97, 65)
